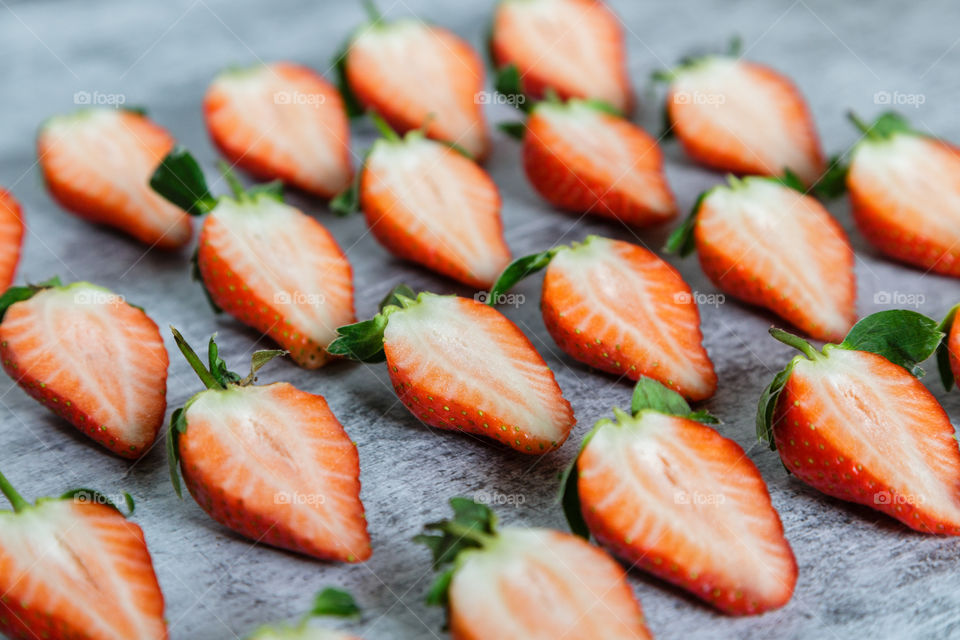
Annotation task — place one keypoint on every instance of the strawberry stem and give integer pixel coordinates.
(372, 12)
(860, 124)
(796, 342)
(18, 502)
(235, 185)
(195, 363)
(384, 127)
(467, 533)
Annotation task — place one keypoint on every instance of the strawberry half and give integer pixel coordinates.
(264, 262)
(739, 116)
(948, 353)
(904, 188)
(621, 309)
(764, 241)
(96, 164)
(534, 584)
(416, 76)
(270, 462)
(90, 357)
(573, 47)
(425, 202)
(459, 364)
(11, 237)
(75, 567)
(583, 157)
(329, 602)
(670, 495)
(852, 422)
(281, 121)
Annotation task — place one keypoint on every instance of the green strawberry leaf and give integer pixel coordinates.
(943, 349)
(396, 297)
(362, 341)
(570, 497)
(903, 337)
(334, 602)
(650, 394)
(439, 592)
(601, 106)
(884, 127)
(218, 368)
(790, 180)
(180, 180)
(472, 526)
(509, 83)
(833, 183)
(14, 295)
(350, 101)
(768, 403)
(515, 130)
(517, 271)
(681, 242)
(258, 360)
(272, 190)
(178, 426)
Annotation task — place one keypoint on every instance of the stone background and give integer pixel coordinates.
(860, 573)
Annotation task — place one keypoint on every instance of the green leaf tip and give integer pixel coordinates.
(903, 337)
(517, 271)
(14, 295)
(653, 395)
(180, 180)
(943, 349)
(334, 602)
(18, 502)
(682, 241)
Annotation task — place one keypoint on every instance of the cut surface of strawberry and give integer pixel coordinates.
(854, 423)
(281, 121)
(90, 357)
(270, 462)
(670, 495)
(770, 245)
(97, 163)
(574, 47)
(743, 117)
(12, 230)
(527, 584)
(75, 567)
(459, 364)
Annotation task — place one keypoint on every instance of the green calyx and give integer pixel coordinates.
(473, 526)
(696, 59)
(884, 127)
(81, 496)
(363, 341)
(330, 602)
(180, 180)
(649, 395)
(14, 295)
(215, 377)
(905, 338)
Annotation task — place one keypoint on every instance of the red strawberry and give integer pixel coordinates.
(264, 262)
(582, 158)
(852, 422)
(770, 245)
(743, 117)
(427, 203)
(91, 358)
(459, 364)
(671, 495)
(329, 602)
(417, 75)
(11, 237)
(73, 567)
(270, 462)
(904, 189)
(618, 307)
(97, 162)
(948, 353)
(574, 47)
(530, 584)
(281, 121)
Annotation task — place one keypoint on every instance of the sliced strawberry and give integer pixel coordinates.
(535, 584)
(584, 159)
(948, 353)
(281, 121)
(97, 163)
(671, 495)
(905, 194)
(266, 263)
(269, 462)
(417, 75)
(71, 567)
(852, 422)
(459, 364)
(91, 358)
(618, 307)
(743, 117)
(772, 246)
(427, 203)
(329, 602)
(11, 237)
(574, 47)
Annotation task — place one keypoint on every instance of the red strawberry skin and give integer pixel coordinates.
(953, 348)
(506, 392)
(11, 237)
(41, 365)
(619, 308)
(274, 464)
(823, 453)
(583, 160)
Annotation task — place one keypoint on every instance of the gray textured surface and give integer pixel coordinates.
(860, 574)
